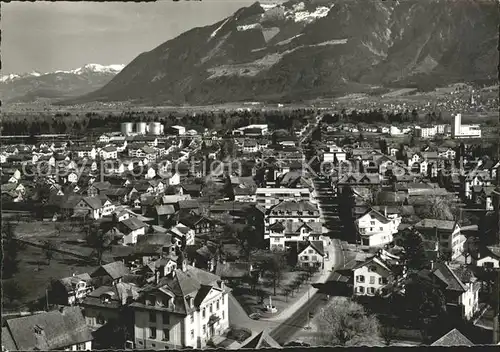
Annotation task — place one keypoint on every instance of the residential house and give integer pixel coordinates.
(84, 151)
(193, 189)
(461, 289)
(185, 307)
(111, 273)
(377, 229)
(105, 303)
(63, 329)
(92, 207)
(250, 146)
(108, 153)
(131, 229)
(70, 290)
(371, 277)
(451, 240)
(311, 255)
(482, 196)
(487, 257)
(199, 224)
(476, 179)
(334, 154)
(98, 188)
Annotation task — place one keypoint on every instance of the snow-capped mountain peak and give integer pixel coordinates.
(94, 68)
(14, 76)
(89, 68)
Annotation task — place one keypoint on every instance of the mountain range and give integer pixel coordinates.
(301, 50)
(33, 86)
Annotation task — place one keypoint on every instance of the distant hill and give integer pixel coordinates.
(319, 48)
(30, 87)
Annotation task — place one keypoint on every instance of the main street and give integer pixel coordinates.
(295, 318)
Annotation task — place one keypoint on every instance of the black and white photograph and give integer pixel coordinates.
(241, 174)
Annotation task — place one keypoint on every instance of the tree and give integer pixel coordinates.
(426, 305)
(439, 208)
(13, 290)
(48, 249)
(383, 146)
(11, 248)
(345, 322)
(388, 334)
(275, 267)
(414, 251)
(98, 240)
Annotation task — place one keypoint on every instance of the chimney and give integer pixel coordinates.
(385, 211)
(432, 264)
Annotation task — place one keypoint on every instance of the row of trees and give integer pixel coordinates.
(379, 115)
(224, 120)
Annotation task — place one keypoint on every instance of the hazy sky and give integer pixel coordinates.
(48, 36)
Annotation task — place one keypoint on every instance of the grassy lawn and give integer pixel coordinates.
(34, 274)
(70, 237)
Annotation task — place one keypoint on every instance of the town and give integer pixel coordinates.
(234, 230)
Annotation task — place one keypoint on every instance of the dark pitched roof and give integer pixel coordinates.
(58, 330)
(261, 340)
(445, 274)
(453, 338)
(115, 270)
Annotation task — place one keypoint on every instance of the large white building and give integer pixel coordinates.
(464, 131)
(291, 211)
(184, 307)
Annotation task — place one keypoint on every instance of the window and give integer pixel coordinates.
(166, 334)
(372, 222)
(372, 268)
(361, 289)
(217, 305)
(192, 318)
(203, 312)
(314, 258)
(204, 329)
(371, 228)
(360, 278)
(372, 280)
(305, 257)
(310, 251)
(382, 281)
(222, 299)
(152, 333)
(222, 314)
(166, 318)
(381, 228)
(210, 307)
(152, 317)
(192, 334)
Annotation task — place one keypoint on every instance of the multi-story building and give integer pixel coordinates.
(184, 307)
(377, 229)
(109, 152)
(446, 232)
(426, 131)
(283, 233)
(269, 197)
(371, 276)
(291, 211)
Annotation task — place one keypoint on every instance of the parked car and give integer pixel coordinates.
(255, 316)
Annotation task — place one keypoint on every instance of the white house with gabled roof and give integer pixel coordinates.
(377, 229)
(371, 276)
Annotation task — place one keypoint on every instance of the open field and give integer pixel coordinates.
(35, 275)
